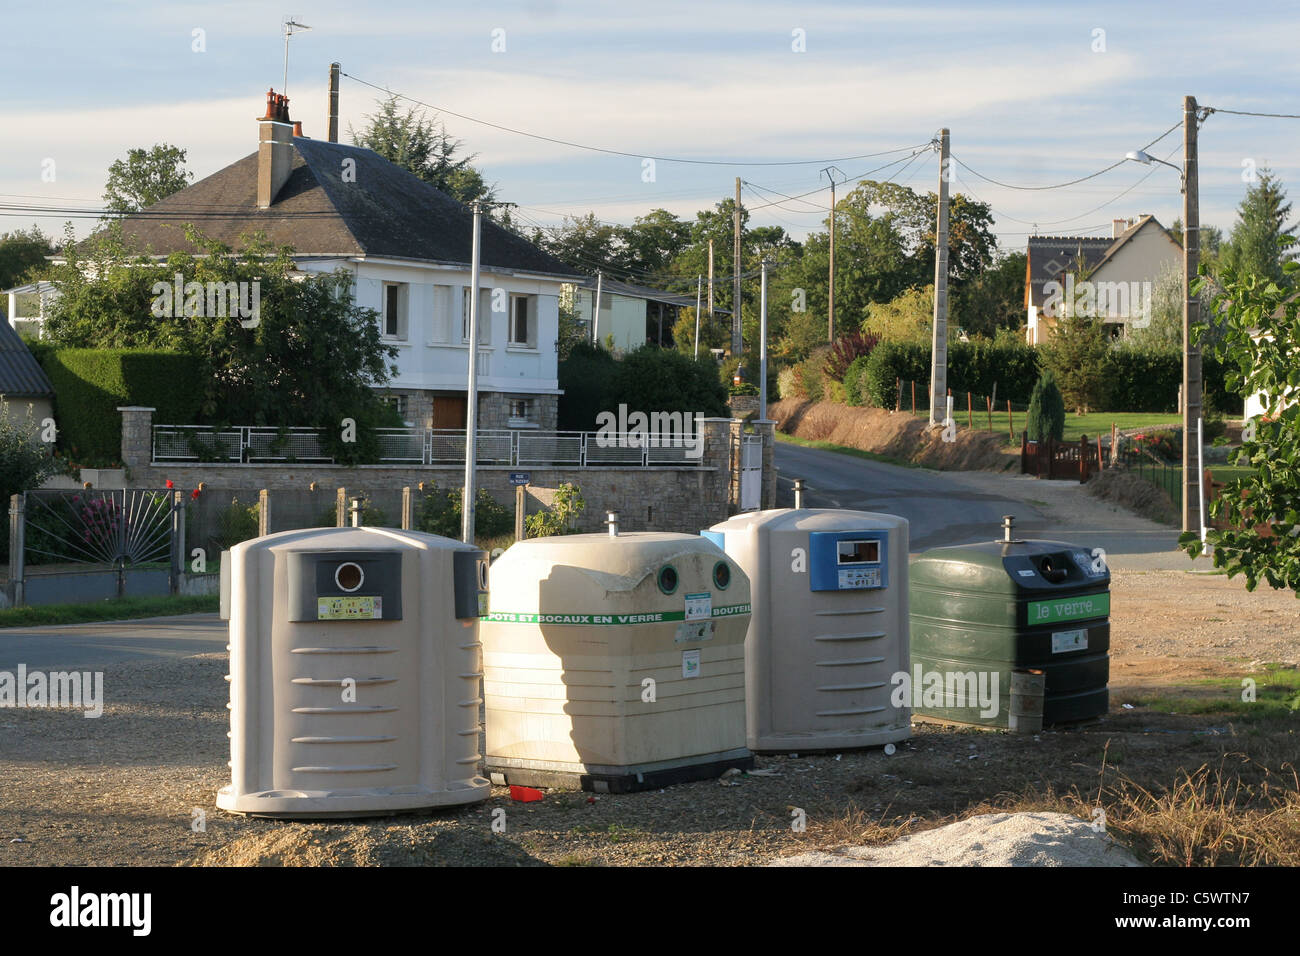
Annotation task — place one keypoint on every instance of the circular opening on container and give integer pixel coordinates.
(722, 575)
(349, 576)
(668, 579)
(482, 575)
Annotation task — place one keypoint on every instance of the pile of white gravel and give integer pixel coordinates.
(991, 839)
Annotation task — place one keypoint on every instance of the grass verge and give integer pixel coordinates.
(119, 609)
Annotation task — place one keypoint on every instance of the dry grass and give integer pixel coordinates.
(895, 435)
(1247, 816)
(1134, 493)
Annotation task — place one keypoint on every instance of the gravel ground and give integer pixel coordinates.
(124, 789)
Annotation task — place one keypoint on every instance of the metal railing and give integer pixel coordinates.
(252, 444)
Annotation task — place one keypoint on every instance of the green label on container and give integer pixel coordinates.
(616, 620)
(1077, 608)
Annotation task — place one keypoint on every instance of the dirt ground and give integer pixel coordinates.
(127, 788)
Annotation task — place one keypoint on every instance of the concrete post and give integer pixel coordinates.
(766, 428)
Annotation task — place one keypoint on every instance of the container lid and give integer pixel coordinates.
(615, 562)
(810, 519)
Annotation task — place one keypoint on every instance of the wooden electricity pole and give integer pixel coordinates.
(334, 103)
(1191, 319)
(737, 342)
(939, 341)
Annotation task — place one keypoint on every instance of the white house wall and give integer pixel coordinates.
(432, 355)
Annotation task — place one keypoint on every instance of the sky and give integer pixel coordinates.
(1033, 94)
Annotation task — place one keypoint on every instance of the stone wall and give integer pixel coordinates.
(648, 499)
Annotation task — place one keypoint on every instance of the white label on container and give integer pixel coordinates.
(690, 663)
(688, 631)
(1025, 574)
(699, 607)
(1063, 641)
(853, 578)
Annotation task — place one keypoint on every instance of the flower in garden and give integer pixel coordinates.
(169, 483)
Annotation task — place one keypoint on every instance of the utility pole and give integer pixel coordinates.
(595, 306)
(762, 344)
(699, 289)
(1191, 320)
(737, 340)
(830, 298)
(939, 340)
(471, 390)
(334, 103)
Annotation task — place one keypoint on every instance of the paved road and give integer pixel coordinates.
(945, 508)
(102, 646)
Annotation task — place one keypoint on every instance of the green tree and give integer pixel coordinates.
(309, 356)
(908, 317)
(652, 243)
(1260, 339)
(22, 258)
(145, 177)
(993, 299)
(1076, 355)
(423, 147)
(1046, 418)
(1256, 246)
(587, 244)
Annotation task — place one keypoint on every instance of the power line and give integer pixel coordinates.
(1214, 109)
(619, 152)
(1071, 182)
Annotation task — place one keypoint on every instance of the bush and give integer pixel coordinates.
(648, 379)
(90, 385)
(972, 367)
(785, 383)
(855, 382)
(1046, 417)
(235, 523)
(440, 513)
(559, 518)
(25, 462)
(846, 350)
(809, 377)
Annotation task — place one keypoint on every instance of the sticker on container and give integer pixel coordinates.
(690, 663)
(1064, 641)
(482, 604)
(699, 607)
(349, 609)
(1026, 574)
(689, 631)
(854, 578)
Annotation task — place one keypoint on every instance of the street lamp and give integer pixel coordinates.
(1146, 159)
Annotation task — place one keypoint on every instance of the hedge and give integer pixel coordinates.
(1138, 379)
(90, 385)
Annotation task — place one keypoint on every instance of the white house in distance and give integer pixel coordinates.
(1129, 262)
(633, 315)
(408, 245)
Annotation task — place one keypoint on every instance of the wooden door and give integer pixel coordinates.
(449, 411)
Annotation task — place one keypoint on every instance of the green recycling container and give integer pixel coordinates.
(981, 611)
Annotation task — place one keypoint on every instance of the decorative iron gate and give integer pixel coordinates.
(89, 544)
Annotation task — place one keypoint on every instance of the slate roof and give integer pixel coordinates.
(386, 212)
(1050, 255)
(614, 287)
(21, 376)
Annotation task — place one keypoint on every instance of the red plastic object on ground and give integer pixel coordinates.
(525, 794)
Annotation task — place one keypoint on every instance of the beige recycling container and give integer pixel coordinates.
(354, 673)
(615, 662)
(829, 630)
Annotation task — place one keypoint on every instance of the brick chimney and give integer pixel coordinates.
(1119, 226)
(274, 149)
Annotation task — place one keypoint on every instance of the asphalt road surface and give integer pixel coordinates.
(947, 508)
(104, 645)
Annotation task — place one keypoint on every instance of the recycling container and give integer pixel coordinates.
(829, 626)
(355, 670)
(981, 611)
(615, 662)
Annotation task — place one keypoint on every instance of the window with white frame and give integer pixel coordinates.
(394, 310)
(523, 321)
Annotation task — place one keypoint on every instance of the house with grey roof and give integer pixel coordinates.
(1108, 278)
(24, 385)
(408, 246)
